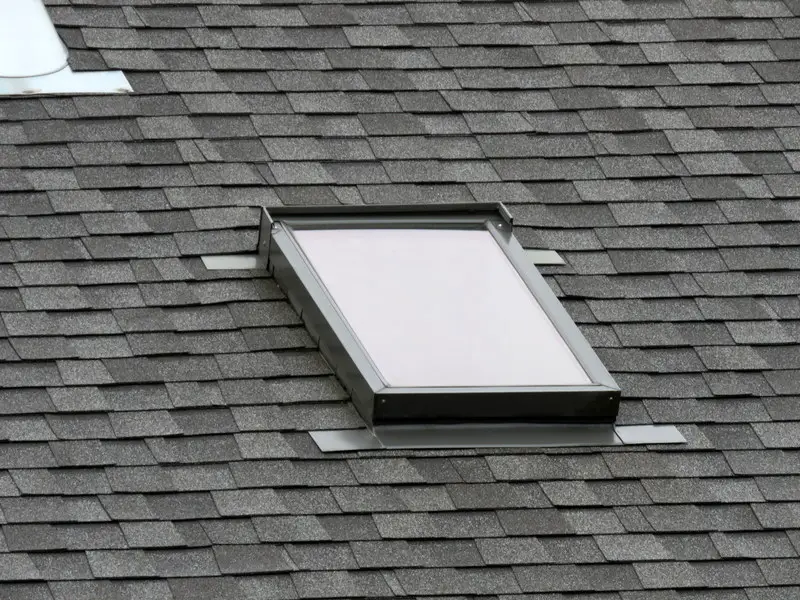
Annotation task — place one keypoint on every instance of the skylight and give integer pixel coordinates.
(436, 315)
(439, 308)
(33, 60)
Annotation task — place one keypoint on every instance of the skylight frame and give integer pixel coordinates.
(380, 404)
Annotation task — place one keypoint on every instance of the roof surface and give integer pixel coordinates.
(155, 414)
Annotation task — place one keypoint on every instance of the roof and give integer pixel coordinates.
(156, 414)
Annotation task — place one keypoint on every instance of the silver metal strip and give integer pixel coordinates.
(233, 262)
(344, 440)
(66, 81)
(545, 257)
(415, 437)
(649, 434)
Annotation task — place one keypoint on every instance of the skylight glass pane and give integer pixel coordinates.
(29, 44)
(437, 308)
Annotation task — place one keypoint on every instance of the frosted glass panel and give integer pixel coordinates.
(29, 44)
(440, 308)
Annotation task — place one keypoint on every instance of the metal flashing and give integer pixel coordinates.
(66, 82)
(545, 257)
(650, 434)
(29, 43)
(233, 262)
(345, 440)
(515, 435)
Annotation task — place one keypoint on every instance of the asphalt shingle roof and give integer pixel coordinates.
(154, 415)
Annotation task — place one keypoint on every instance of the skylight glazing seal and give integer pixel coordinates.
(380, 404)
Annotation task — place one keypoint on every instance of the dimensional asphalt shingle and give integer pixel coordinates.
(154, 415)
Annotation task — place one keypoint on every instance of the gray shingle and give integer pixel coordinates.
(667, 491)
(701, 517)
(248, 502)
(292, 528)
(127, 590)
(200, 448)
(753, 544)
(33, 537)
(433, 525)
(459, 553)
(504, 551)
(88, 536)
(60, 565)
(250, 559)
(18, 566)
(552, 578)
(337, 584)
(776, 435)
(632, 547)
(27, 591)
(109, 564)
(52, 509)
(179, 506)
(183, 563)
(438, 581)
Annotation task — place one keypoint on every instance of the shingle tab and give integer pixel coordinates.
(250, 559)
(553, 578)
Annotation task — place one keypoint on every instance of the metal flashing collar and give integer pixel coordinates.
(29, 44)
(435, 315)
(66, 82)
(34, 61)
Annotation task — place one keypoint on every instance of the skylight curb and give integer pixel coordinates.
(591, 398)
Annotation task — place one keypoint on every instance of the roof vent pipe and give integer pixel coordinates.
(29, 44)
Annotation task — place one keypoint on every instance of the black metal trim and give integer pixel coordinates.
(492, 209)
(556, 404)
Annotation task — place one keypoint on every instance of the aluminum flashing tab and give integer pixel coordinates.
(66, 82)
(444, 437)
(233, 262)
(344, 440)
(544, 257)
(649, 434)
